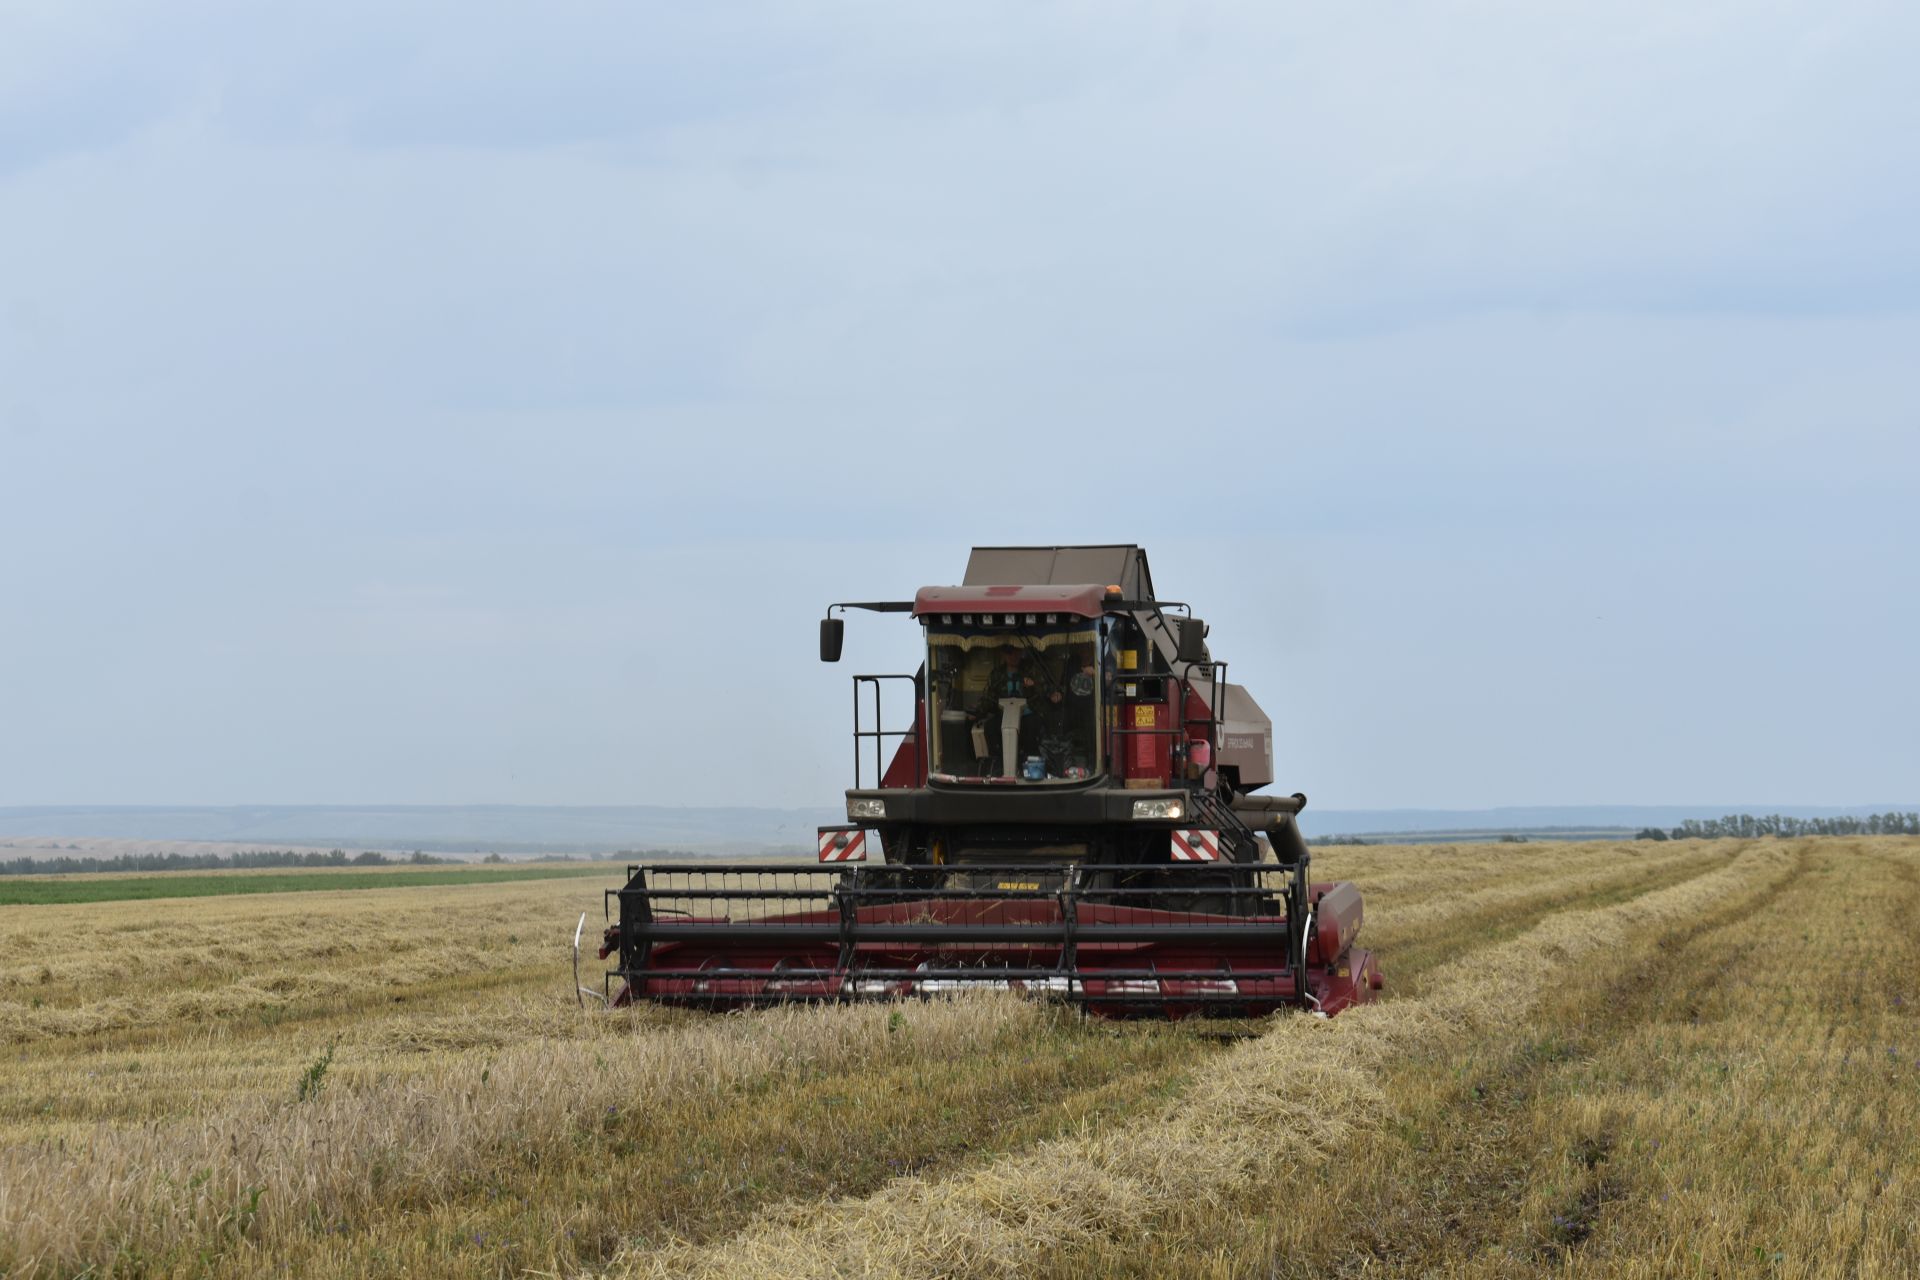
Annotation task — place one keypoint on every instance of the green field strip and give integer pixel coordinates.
(186, 884)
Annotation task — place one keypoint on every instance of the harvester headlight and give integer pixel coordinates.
(1159, 809)
(871, 807)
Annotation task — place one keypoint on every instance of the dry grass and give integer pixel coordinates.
(211, 963)
(468, 1121)
(1618, 1059)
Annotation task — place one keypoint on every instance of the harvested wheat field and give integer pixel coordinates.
(1696, 1058)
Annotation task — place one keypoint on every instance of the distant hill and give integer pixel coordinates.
(436, 828)
(608, 828)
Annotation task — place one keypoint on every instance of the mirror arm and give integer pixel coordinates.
(833, 631)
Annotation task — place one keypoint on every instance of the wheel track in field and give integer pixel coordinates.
(1690, 984)
(1484, 1183)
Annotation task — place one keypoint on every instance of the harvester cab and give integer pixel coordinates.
(1069, 802)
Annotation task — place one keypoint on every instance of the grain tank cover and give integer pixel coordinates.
(1122, 565)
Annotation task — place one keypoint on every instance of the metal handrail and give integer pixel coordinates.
(880, 733)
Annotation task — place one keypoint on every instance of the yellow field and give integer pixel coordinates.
(1609, 1059)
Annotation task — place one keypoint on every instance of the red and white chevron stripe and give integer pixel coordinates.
(843, 844)
(1194, 844)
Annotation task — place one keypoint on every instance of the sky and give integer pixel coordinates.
(481, 403)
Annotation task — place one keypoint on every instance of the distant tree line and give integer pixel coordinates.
(1745, 826)
(215, 861)
(290, 858)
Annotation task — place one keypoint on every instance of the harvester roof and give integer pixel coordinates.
(1076, 580)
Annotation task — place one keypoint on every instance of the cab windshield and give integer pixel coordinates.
(1013, 703)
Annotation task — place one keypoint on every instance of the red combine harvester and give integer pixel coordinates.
(1072, 809)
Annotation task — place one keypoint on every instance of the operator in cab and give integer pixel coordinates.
(1013, 685)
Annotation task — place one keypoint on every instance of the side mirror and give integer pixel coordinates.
(1193, 641)
(833, 632)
